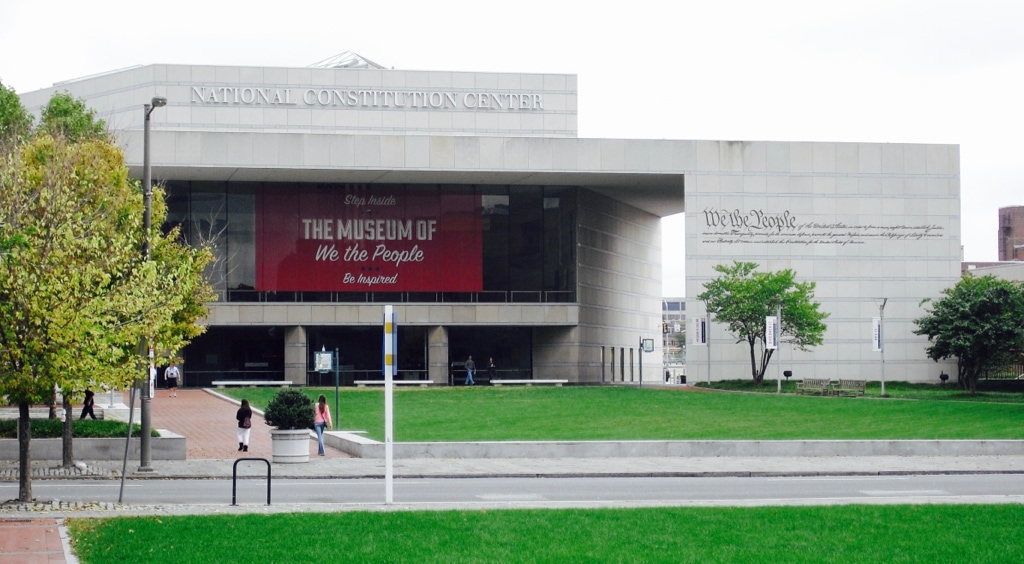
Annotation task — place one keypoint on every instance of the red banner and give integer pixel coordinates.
(361, 238)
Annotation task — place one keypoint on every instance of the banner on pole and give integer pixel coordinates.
(390, 360)
(876, 334)
(771, 332)
(700, 331)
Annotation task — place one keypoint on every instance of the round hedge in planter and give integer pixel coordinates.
(291, 411)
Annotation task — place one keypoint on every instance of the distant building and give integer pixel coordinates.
(1011, 233)
(673, 330)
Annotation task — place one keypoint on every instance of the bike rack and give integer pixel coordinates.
(234, 478)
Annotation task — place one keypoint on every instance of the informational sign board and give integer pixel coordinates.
(648, 345)
(323, 361)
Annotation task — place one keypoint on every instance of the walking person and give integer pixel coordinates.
(321, 419)
(492, 370)
(470, 369)
(87, 405)
(172, 374)
(244, 417)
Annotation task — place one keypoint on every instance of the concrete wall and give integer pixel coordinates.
(358, 101)
(619, 283)
(1013, 272)
(363, 447)
(862, 220)
(169, 446)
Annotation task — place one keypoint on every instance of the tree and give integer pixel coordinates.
(76, 296)
(742, 298)
(15, 121)
(980, 321)
(68, 117)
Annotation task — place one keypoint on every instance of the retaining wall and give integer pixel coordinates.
(362, 447)
(168, 446)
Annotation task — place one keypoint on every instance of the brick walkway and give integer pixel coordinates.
(207, 422)
(30, 541)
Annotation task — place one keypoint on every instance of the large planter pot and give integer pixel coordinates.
(289, 446)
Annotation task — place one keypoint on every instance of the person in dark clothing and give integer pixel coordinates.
(470, 369)
(244, 417)
(87, 405)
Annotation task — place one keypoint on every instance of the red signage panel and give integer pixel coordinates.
(358, 238)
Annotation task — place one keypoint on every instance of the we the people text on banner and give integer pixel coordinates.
(368, 238)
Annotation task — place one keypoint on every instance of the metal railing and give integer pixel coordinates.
(518, 297)
(1010, 372)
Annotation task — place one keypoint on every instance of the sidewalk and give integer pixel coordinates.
(207, 420)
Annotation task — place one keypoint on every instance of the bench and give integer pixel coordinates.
(421, 383)
(818, 386)
(852, 388)
(509, 382)
(247, 383)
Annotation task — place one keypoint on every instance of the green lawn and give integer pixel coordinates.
(631, 413)
(854, 533)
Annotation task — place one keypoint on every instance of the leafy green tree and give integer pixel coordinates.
(742, 298)
(15, 121)
(69, 117)
(980, 321)
(76, 296)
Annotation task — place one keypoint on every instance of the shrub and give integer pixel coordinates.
(85, 429)
(289, 409)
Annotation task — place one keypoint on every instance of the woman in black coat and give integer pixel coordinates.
(244, 417)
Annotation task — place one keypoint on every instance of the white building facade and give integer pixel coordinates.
(468, 202)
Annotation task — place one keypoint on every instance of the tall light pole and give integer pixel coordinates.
(146, 462)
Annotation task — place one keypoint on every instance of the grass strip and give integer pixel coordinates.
(576, 413)
(852, 533)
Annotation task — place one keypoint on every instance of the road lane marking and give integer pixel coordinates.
(904, 493)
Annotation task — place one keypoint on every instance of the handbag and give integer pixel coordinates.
(246, 423)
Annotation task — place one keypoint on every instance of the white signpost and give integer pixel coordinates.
(700, 338)
(390, 350)
(771, 342)
(878, 336)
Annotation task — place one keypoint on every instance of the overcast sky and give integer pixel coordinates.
(917, 71)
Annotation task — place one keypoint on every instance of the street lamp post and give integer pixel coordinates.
(146, 462)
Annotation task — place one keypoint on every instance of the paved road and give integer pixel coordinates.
(209, 496)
